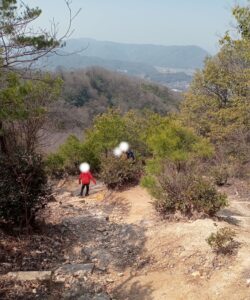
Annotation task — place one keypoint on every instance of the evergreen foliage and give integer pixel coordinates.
(23, 188)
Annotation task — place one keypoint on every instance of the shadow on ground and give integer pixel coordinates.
(41, 249)
(111, 244)
(135, 291)
(229, 216)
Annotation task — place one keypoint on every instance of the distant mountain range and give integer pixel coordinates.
(168, 65)
(183, 57)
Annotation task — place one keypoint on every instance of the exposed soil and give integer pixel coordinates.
(136, 254)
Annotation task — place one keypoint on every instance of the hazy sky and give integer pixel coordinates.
(166, 22)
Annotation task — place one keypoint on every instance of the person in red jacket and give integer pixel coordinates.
(84, 179)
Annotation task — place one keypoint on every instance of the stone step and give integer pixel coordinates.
(30, 275)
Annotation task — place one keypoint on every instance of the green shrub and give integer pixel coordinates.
(70, 155)
(169, 140)
(23, 187)
(220, 175)
(55, 165)
(185, 191)
(205, 198)
(119, 172)
(89, 154)
(108, 130)
(223, 241)
(174, 175)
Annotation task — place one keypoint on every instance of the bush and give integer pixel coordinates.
(55, 165)
(220, 175)
(223, 241)
(23, 187)
(205, 197)
(119, 172)
(185, 191)
(176, 143)
(72, 154)
(69, 157)
(108, 130)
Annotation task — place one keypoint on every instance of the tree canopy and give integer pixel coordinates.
(217, 104)
(20, 44)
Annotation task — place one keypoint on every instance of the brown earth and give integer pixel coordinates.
(136, 254)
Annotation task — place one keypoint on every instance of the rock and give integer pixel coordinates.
(30, 275)
(109, 280)
(89, 251)
(59, 279)
(70, 269)
(7, 265)
(101, 268)
(81, 274)
(120, 274)
(98, 289)
(101, 229)
(102, 296)
(64, 195)
(196, 274)
(104, 257)
(61, 183)
(248, 282)
(84, 255)
(57, 244)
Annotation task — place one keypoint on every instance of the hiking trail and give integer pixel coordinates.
(120, 248)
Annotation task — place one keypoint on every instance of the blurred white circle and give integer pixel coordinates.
(117, 152)
(84, 167)
(124, 146)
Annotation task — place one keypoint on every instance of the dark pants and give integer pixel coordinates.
(87, 189)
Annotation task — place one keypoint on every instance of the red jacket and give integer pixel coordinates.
(85, 178)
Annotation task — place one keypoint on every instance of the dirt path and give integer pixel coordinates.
(134, 255)
(141, 209)
(182, 265)
(170, 260)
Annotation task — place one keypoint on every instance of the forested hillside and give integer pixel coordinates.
(87, 93)
(179, 78)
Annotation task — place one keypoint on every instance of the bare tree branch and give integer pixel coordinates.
(18, 45)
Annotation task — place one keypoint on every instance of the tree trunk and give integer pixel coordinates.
(3, 146)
